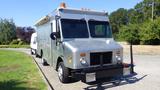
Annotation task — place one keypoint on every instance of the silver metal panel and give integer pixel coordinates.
(44, 41)
(90, 45)
(89, 12)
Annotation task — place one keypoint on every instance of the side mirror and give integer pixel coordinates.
(53, 35)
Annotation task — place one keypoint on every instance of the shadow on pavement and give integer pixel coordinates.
(14, 85)
(108, 83)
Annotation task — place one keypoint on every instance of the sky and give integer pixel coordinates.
(27, 12)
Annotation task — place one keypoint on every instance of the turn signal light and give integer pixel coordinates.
(82, 54)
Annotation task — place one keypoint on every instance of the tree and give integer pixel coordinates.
(130, 33)
(150, 32)
(117, 19)
(7, 31)
(141, 24)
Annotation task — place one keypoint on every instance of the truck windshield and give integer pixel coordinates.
(100, 29)
(74, 28)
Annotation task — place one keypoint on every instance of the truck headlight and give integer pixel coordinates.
(118, 59)
(83, 61)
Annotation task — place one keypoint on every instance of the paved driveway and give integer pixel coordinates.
(147, 78)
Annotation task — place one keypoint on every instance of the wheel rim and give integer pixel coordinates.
(60, 72)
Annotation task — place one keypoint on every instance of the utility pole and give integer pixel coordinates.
(152, 9)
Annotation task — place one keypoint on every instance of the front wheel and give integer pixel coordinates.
(63, 73)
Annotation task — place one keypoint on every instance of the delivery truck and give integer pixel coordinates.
(78, 43)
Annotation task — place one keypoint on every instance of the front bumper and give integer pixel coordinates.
(101, 72)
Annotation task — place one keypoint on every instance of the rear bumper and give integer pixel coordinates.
(100, 72)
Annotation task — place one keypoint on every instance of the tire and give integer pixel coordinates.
(36, 53)
(31, 52)
(41, 54)
(63, 73)
(116, 83)
(44, 62)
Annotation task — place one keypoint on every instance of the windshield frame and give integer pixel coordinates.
(88, 29)
(82, 20)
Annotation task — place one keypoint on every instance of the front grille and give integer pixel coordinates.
(100, 58)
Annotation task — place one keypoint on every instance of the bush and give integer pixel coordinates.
(130, 33)
(18, 42)
(14, 42)
(150, 32)
(14, 46)
(147, 33)
(22, 43)
(7, 31)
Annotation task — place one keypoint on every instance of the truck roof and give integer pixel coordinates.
(73, 14)
(83, 11)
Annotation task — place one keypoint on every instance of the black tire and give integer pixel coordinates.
(31, 52)
(44, 62)
(116, 83)
(36, 53)
(64, 77)
(41, 54)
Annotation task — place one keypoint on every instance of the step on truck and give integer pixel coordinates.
(79, 44)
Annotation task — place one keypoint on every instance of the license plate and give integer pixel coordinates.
(90, 77)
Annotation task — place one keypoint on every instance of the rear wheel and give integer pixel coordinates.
(31, 52)
(44, 62)
(36, 53)
(63, 73)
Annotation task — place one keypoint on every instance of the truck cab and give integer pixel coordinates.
(79, 44)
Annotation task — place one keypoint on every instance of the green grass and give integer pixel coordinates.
(18, 72)
(14, 46)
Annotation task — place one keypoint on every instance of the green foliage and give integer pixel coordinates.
(7, 31)
(137, 23)
(130, 33)
(14, 46)
(18, 42)
(14, 42)
(150, 32)
(118, 18)
(21, 43)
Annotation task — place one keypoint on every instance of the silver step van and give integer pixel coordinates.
(79, 44)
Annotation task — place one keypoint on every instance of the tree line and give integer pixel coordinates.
(12, 34)
(141, 24)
